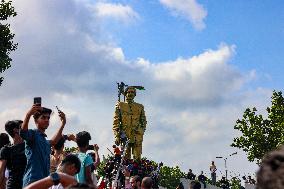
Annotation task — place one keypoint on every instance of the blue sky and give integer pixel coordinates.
(256, 28)
(202, 63)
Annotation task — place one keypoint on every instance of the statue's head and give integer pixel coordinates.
(130, 93)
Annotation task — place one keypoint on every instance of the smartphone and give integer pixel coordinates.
(91, 147)
(58, 110)
(37, 100)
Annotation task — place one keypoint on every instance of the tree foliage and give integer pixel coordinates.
(170, 177)
(235, 183)
(7, 44)
(260, 135)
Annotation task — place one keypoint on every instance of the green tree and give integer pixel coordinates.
(260, 135)
(235, 183)
(170, 176)
(71, 150)
(6, 36)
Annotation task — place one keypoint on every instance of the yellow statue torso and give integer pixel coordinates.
(132, 119)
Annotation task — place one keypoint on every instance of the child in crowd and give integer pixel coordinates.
(59, 154)
(94, 153)
(69, 166)
(85, 174)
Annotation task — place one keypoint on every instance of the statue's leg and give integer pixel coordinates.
(128, 152)
(137, 151)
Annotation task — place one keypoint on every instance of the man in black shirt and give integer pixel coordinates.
(190, 175)
(202, 178)
(4, 140)
(13, 157)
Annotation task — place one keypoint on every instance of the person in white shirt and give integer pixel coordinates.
(213, 170)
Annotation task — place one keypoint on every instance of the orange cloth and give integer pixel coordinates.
(117, 151)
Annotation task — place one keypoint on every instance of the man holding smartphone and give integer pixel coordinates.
(37, 148)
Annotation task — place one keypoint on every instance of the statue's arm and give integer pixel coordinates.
(143, 118)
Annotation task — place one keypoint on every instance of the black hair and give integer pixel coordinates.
(180, 186)
(271, 172)
(60, 143)
(147, 182)
(136, 178)
(72, 159)
(41, 112)
(4, 139)
(83, 138)
(195, 185)
(11, 125)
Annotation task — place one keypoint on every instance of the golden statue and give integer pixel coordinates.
(130, 122)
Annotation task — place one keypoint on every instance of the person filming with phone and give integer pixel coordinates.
(37, 147)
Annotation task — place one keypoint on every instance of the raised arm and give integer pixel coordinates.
(98, 161)
(58, 134)
(35, 108)
(71, 137)
(47, 182)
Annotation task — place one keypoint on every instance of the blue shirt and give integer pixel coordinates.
(37, 150)
(86, 160)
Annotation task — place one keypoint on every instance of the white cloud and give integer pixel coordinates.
(197, 79)
(115, 53)
(115, 11)
(189, 9)
(195, 66)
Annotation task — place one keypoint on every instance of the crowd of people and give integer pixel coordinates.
(269, 176)
(130, 167)
(31, 161)
(223, 182)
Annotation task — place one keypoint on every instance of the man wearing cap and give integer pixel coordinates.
(37, 148)
(130, 118)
